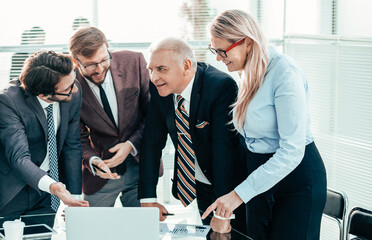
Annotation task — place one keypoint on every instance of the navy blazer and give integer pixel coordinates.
(23, 142)
(215, 142)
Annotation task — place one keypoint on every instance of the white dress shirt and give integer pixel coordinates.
(46, 181)
(108, 86)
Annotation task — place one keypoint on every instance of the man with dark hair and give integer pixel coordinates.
(40, 148)
(115, 88)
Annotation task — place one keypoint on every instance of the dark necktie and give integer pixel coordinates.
(106, 105)
(185, 156)
(52, 149)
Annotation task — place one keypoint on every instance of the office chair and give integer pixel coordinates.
(360, 224)
(335, 209)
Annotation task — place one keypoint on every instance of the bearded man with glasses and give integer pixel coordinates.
(115, 88)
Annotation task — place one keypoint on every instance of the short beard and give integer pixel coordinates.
(89, 78)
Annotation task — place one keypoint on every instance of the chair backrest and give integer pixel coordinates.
(360, 223)
(335, 209)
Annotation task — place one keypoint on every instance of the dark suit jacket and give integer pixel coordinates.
(98, 133)
(23, 142)
(216, 145)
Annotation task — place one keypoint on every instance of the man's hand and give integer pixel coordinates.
(162, 209)
(224, 205)
(58, 189)
(121, 151)
(220, 225)
(101, 164)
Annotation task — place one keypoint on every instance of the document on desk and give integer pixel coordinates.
(184, 229)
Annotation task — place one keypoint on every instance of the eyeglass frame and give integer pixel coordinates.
(96, 64)
(223, 53)
(66, 94)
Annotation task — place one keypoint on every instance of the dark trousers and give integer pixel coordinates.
(204, 197)
(30, 203)
(293, 208)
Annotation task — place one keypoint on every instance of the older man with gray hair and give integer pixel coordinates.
(191, 101)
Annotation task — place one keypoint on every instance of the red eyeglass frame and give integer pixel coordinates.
(214, 51)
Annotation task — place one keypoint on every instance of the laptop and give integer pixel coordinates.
(90, 223)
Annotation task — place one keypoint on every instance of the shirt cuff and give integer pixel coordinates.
(45, 182)
(245, 191)
(148, 200)
(223, 218)
(77, 196)
(134, 152)
(90, 164)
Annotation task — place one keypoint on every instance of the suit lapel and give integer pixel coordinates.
(62, 131)
(195, 96)
(93, 101)
(118, 78)
(194, 103)
(39, 112)
(171, 118)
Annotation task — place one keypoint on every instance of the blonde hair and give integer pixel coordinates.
(234, 25)
(181, 51)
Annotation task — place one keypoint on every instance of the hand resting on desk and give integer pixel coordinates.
(220, 225)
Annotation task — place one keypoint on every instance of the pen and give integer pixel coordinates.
(98, 168)
(167, 214)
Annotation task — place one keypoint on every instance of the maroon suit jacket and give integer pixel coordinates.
(98, 133)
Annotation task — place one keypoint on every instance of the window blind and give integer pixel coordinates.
(340, 79)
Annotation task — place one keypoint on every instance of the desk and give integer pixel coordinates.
(181, 214)
(233, 235)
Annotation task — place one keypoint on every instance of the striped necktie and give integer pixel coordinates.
(52, 149)
(185, 156)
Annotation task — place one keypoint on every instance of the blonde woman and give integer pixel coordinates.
(285, 190)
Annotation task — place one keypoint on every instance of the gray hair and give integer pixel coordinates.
(181, 50)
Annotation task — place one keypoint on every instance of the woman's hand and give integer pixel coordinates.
(224, 205)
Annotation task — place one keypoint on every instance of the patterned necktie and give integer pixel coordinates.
(105, 103)
(52, 149)
(186, 157)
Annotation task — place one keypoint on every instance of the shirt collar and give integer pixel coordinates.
(45, 104)
(186, 93)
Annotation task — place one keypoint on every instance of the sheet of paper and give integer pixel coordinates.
(184, 229)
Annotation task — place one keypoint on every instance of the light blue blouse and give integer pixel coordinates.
(277, 121)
